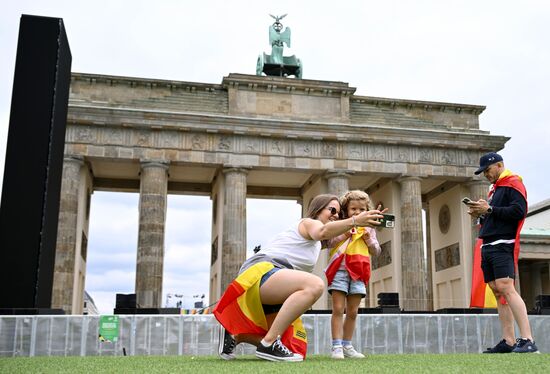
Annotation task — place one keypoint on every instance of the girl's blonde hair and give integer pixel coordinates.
(353, 195)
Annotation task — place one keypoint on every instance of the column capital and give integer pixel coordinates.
(235, 169)
(155, 163)
(79, 160)
(335, 173)
(409, 178)
(476, 182)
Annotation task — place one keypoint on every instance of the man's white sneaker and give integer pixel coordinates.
(337, 352)
(350, 352)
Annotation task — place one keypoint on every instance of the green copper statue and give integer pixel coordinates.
(276, 64)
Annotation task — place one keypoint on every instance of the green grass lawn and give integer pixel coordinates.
(405, 363)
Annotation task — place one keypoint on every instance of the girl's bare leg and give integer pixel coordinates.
(352, 309)
(337, 319)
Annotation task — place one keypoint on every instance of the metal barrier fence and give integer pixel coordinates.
(198, 334)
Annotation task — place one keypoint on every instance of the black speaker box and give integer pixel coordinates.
(125, 301)
(318, 311)
(34, 163)
(388, 299)
(30, 311)
(147, 311)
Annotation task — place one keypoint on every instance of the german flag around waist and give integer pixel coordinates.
(240, 310)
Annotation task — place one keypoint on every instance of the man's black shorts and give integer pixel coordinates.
(497, 261)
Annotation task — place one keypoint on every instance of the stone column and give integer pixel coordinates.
(338, 181)
(337, 184)
(429, 259)
(67, 235)
(234, 224)
(478, 189)
(413, 264)
(152, 220)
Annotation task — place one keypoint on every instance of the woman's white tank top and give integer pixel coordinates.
(300, 252)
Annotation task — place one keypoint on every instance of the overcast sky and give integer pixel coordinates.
(492, 53)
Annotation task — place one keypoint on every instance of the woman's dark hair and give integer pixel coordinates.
(319, 203)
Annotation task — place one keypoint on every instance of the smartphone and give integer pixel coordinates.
(388, 221)
(467, 201)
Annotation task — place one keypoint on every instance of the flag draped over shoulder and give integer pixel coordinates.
(482, 296)
(240, 310)
(356, 252)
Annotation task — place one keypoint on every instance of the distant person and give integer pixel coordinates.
(501, 218)
(348, 273)
(274, 287)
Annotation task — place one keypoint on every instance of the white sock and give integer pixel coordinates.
(263, 342)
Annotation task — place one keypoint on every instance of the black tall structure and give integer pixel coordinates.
(34, 163)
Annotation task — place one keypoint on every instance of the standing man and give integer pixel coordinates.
(501, 218)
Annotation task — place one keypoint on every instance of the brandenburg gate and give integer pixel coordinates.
(278, 138)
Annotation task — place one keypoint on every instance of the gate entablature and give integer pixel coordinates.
(90, 104)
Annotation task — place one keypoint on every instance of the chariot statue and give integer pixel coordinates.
(276, 64)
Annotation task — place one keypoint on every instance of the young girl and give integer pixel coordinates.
(348, 272)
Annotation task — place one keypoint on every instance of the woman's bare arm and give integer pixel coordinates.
(316, 230)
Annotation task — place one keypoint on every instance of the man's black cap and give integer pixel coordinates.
(487, 160)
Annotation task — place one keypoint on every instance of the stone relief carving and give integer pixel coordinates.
(84, 134)
(384, 258)
(328, 149)
(252, 145)
(355, 151)
(224, 143)
(197, 142)
(284, 106)
(377, 153)
(447, 257)
(447, 157)
(444, 219)
(403, 155)
(276, 147)
(113, 136)
(143, 138)
(302, 149)
(170, 139)
(468, 160)
(425, 155)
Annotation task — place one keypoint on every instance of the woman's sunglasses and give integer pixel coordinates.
(332, 209)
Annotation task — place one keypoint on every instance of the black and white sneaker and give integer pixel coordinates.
(525, 346)
(501, 347)
(277, 352)
(227, 345)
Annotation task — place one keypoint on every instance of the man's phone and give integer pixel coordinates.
(467, 201)
(387, 221)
